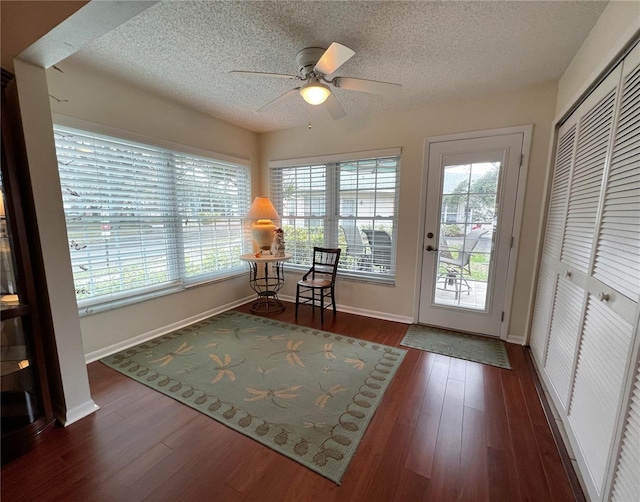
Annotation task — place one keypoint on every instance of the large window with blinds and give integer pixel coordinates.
(143, 220)
(349, 202)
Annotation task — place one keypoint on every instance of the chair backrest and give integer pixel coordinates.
(352, 235)
(325, 263)
(472, 238)
(470, 242)
(380, 242)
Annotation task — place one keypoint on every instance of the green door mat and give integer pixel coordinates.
(475, 348)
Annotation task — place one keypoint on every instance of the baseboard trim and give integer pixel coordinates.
(574, 481)
(68, 417)
(517, 339)
(363, 312)
(131, 342)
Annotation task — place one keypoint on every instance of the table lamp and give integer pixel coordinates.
(262, 212)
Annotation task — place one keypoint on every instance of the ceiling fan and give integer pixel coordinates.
(315, 65)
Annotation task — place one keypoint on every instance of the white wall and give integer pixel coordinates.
(407, 129)
(615, 27)
(99, 99)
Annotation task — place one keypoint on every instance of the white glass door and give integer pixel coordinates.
(471, 195)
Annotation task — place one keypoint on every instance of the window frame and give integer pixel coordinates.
(332, 214)
(178, 155)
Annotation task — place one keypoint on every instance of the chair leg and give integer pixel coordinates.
(297, 299)
(333, 299)
(321, 291)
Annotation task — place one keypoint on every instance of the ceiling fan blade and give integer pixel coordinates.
(334, 107)
(264, 74)
(333, 58)
(371, 86)
(282, 97)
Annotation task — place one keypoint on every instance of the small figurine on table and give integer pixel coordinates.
(277, 246)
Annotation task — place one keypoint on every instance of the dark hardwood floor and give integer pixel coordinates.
(446, 430)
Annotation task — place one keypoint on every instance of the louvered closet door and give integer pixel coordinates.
(572, 231)
(626, 484)
(542, 311)
(617, 264)
(585, 321)
(553, 239)
(607, 337)
(558, 203)
(599, 381)
(617, 260)
(565, 329)
(594, 134)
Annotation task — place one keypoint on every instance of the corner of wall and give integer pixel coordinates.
(614, 29)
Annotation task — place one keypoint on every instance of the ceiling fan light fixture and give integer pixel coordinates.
(314, 92)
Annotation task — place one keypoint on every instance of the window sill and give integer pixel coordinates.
(378, 279)
(87, 310)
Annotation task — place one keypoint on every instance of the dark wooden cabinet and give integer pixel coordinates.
(25, 404)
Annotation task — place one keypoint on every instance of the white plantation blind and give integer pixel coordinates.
(141, 219)
(560, 188)
(213, 198)
(593, 140)
(352, 205)
(617, 260)
(626, 484)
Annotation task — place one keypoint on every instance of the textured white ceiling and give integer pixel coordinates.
(184, 51)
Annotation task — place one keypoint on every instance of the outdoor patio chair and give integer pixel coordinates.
(454, 270)
(380, 244)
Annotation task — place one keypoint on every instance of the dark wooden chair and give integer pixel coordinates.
(319, 282)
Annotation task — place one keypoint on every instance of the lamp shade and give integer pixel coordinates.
(262, 230)
(314, 92)
(262, 209)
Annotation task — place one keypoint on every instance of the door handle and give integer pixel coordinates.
(431, 248)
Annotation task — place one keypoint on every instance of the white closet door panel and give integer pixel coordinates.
(626, 134)
(617, 272)
(617, 256)
(626, 485)
(565, 327)
(605, 344)
(542, 311)
(594, 131)
(624, 193)
(625, 164)
(559, 191)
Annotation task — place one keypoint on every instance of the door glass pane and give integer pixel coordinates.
(468, 217)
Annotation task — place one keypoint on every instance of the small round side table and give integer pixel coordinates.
(267, 285)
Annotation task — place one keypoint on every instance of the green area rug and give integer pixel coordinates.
(479, 349)
(305, 393)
